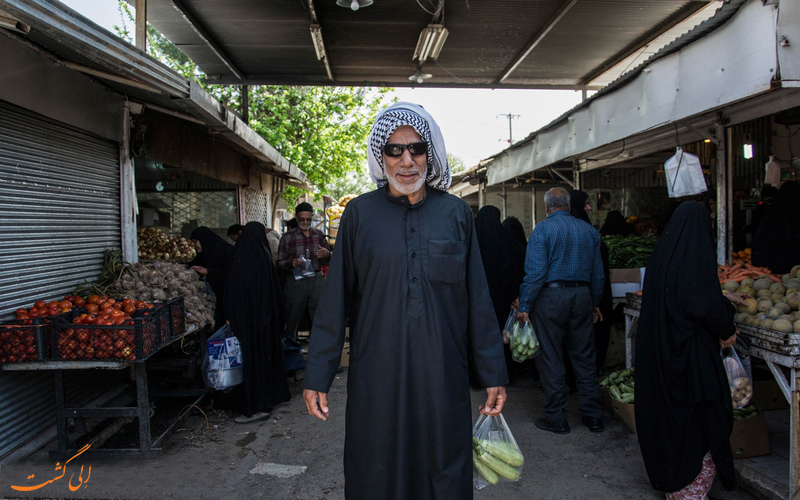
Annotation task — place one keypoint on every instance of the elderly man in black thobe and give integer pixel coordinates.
(407, 272)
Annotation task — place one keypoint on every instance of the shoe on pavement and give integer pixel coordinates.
(556, 427)
(594, 424)
(254, 418)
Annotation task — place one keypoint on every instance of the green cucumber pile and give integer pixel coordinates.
(496, 459)
(523, 343)
(748, 411)
(620, 385)
(628, 252)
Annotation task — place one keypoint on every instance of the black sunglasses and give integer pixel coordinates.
(415, 148)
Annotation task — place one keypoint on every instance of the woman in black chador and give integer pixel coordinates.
(253, 303)
(684, 414)
(212, 259)
(776, 245)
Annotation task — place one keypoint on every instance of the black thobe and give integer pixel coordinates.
(683, 402)
(254, 306)
(214, 256)
(411, 280)
(776, 245)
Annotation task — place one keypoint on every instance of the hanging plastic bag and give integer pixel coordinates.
(495, 454)
(772, 174)
(684, 175)
(740, 383)
(222, 366)
(524, 344)
(512, 318)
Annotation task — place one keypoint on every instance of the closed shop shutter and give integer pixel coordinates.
(59, 210)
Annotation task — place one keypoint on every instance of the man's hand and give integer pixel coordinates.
(317, 403)
(596, 315)
(736, 298)
(495, 401)
(322, 252)
(521, 316)
(515, 304)
(199, 270)
(729, 342)
(296, 262)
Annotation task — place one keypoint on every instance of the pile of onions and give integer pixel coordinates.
(156, 244)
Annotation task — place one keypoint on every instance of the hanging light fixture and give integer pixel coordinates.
(430, 43)
(354, 4)
(419, 76)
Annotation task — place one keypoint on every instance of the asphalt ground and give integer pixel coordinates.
(294, 456)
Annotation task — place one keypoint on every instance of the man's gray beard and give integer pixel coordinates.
(405, 188)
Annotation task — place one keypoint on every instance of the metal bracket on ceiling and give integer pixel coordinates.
(316, 39)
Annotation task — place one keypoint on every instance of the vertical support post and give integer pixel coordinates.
(245, 110)
(505, 202)
(128, 205)
(143, 405)
(576, 175)
(61, 413)
(533, 207)
(722, 191)
(794, 433)
(141, 25)
(481, 195)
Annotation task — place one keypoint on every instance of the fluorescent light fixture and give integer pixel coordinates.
(430, 43)
(14, 24)
(354, 5)
(316, 37)
(747, 149)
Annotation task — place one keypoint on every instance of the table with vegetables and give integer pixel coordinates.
(116, 323)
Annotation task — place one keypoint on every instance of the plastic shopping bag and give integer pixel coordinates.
(512, 318)
(684, 175)
(740, 383)
(222, 366)
(524, 344)
(495, 454)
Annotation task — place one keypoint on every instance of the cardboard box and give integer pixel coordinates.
(622, 411)
(620, 289)
(767, 395)
(749, 437)
(626, 281)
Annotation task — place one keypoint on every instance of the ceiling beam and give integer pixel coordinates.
(562, 10)
(206, 37)
(680, 16)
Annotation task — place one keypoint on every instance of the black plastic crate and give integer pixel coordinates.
(21, 343)
(162, 312)
(132, 342)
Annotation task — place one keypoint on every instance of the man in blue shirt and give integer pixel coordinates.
(563, 284)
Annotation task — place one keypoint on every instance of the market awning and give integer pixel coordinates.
(79, 44)
(565, 44)
(724, 64)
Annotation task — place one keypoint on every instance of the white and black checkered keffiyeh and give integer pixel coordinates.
(413, 115)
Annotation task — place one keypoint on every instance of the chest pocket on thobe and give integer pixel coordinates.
(447, 262)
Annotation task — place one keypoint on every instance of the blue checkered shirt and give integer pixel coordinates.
(561, 248)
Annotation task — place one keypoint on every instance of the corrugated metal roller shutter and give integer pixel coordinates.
(59, 210)
(59, 200)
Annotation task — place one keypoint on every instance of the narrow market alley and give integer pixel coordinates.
(292, 456)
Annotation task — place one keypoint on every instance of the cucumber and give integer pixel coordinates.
(484, 470)
(625, 388)
(626, 398)
(501, 468)
(615, 392)
(503, 451)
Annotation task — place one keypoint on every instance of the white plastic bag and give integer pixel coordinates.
(512, 318)
(740, 383)
(495, 454)
(773, 168)
(684, 175)
(222, 366)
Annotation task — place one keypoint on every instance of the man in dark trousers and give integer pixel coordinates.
(563, 284)
(407, 272)
(301, 253)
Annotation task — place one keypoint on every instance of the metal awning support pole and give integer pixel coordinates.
(505, 202)
(481, 195)
(245, 104)
(722, 192)
(141, 25)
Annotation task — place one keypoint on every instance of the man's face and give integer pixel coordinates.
(405, 173)
(304, 220)
(234, 236)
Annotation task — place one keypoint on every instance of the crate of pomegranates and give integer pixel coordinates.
(84, 336)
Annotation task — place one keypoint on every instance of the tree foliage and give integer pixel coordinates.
(322, 130)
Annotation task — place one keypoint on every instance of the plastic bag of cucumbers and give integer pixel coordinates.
(495, 454)
(523, 344)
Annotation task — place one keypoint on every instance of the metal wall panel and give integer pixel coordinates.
(59, 207)
(59, 210)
